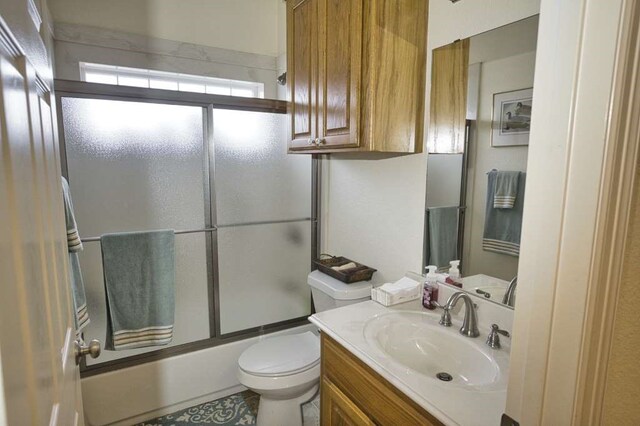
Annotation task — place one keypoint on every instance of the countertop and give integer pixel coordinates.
(449, 404)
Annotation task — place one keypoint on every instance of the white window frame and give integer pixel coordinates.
(210, 85)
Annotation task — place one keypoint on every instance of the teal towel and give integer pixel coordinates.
(74, 245)
(506, 190)
(443, 235)
(502, 227)
(139, 276)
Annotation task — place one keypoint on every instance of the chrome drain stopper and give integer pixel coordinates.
(445, 377)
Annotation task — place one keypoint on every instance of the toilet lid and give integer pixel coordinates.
(281, 355)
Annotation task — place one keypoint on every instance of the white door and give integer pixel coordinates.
(40, 382)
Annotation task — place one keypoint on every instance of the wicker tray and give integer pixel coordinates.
(359, 273)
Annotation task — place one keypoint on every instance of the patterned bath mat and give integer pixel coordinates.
(237, 409)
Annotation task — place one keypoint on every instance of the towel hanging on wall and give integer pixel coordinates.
(506, 190)
(503, 226)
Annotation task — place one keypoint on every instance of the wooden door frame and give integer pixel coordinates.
(583, 156)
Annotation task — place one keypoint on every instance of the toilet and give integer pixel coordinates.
(285, 370)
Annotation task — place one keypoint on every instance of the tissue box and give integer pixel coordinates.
(401, 291)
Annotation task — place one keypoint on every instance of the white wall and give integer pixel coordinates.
(239, 40)
(76, 43)
(281, 61)
(373, 210)
(241, 25)
(512, 73)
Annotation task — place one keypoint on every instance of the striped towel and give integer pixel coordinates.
(506, 190)
(139, 276)
(502, 227)
(81, 317)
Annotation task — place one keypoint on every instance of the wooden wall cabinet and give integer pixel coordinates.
(356, 75)
(449, 81)
(351, 393)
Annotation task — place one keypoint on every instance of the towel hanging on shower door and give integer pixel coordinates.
(139, 281)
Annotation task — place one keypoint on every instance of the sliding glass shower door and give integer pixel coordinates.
(263, 204)
(135, 166)
(222, 175)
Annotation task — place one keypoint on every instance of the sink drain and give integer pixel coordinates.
(445, 377)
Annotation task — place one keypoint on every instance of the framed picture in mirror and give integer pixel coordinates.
(511, 118)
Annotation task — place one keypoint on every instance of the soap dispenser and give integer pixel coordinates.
(454, 274)
(454, 270)
(430, 289)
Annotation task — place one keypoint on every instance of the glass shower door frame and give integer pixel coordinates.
(208, 103)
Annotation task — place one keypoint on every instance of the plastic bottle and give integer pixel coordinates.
(430, 289)
(454, 274)
(454, 271)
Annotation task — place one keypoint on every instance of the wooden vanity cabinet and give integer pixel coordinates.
(356, 75)
(351, 393)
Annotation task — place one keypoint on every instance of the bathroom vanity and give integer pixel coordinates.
(383, 365)
(371, 396)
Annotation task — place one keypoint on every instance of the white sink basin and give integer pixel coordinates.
(418, 342)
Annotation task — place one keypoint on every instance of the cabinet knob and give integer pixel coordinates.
(310, 141)
(323, 141)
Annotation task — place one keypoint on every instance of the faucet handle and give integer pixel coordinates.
(445, 319)
(493, 340)
(495, 328)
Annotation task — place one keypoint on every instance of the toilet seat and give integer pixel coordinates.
(281, 356)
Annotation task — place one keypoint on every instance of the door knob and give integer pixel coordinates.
(92, 349)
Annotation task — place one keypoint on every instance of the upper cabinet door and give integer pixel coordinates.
(449, 80)
(339, 72)
(301, 74)
(356, 75)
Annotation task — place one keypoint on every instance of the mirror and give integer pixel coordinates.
(481, 90)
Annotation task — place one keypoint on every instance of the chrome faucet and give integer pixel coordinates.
(470, 322)
(509, 298)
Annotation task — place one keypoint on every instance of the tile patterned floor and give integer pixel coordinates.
(237, 409)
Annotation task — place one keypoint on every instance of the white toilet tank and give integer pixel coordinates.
(329, 293)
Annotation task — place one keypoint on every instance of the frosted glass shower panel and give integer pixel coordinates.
(263, 274)
(256, 180)
(134, 165)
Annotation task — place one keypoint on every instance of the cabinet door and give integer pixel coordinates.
(339, 72)
(338, 409)
(301, 74)
(449, 79)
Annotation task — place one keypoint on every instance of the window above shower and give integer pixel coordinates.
(151, 79)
